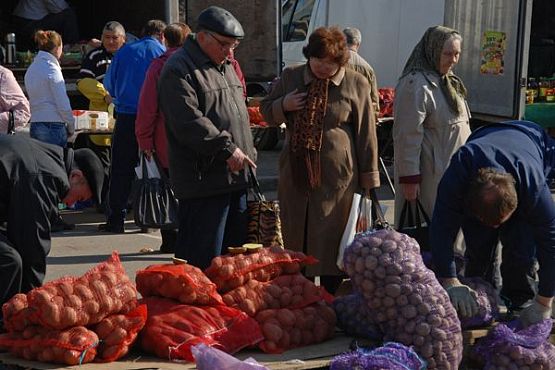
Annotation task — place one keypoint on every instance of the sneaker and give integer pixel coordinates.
(109, 228)
(60, 225)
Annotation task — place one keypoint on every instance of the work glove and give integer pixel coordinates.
(534, 313)
(464, 299)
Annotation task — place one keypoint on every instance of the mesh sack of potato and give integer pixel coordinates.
(507, 346)
(488, 303)
(233, 270)
(391, 356)
(182, 282)
(354, 317)
(17, 313)
(173, 328)
(285, 328)
(72, 346)
(285, 291)
(404, 297)
(117, 333)
(210, 358)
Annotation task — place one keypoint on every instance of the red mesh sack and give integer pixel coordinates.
(73, 346)
(118, 332)
(173, 328)
(285, 291)
(70, 301)
(231, 271)
(284, 328)
(17, 313)
(387, 97)
(185, 283)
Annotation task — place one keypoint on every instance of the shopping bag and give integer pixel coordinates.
(155, 204)
(360, 220)
(11, 123)
(415, 223)
(264, 225)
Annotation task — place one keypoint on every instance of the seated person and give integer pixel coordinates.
(32, 15)
(12, 99)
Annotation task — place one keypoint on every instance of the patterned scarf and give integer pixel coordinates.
(426, 56)
(306, 137)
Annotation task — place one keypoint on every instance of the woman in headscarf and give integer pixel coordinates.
(431, 118)
(330, 150)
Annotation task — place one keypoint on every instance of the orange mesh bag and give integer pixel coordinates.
(70, 301)
(231, 271)
(183, 282)
(173, 328)
(284, 328)
(17, 313)
(118, 332)
(73, 346)
(285, 291)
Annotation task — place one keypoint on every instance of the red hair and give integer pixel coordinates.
(327, 42)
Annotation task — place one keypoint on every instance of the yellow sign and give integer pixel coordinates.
(492, 52)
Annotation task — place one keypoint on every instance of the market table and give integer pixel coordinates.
(541, 113)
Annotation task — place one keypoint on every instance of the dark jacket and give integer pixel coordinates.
(33, 178)
(519, 148)
(206, 120)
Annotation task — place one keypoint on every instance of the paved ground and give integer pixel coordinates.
(76, 251)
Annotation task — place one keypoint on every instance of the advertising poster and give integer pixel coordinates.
(492, 52)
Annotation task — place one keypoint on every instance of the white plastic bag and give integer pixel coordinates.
(360, 220)
(151, 168)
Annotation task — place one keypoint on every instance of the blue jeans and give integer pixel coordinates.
(122, 167)
(207, 226)
(49, 132)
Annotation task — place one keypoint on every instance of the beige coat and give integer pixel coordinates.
(426, 133)
(349, 161)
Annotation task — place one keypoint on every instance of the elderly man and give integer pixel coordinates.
(357, 63)
(123, 81)
(210, 143)
(495, 189)
(96, 63)
(33, 176)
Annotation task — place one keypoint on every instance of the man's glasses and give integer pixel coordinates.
(224, 45)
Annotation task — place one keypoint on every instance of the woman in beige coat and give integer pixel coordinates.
(330, 150)
(431, 118)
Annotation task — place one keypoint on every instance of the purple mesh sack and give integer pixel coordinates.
(509, 346)
(354, 318)
(210, 358)
(488, 303)
(404, 297)
(392, 356)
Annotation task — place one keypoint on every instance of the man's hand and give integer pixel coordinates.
(238, 160)
(148, 154)
(108, 99)
(462, 297)
(535, 313)
(410, 191)
(294, 101)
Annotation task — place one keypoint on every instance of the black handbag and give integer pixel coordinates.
(155, 205)
(11, 123)
(416, 224)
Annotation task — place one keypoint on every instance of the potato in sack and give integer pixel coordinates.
(232, 270)
(173, 328)
(354, 317)
(183, 282)
(404, 297)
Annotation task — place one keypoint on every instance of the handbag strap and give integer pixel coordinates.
(256, 186)
(11, 123)
(406, 216)
(419, 211)
(380, 221)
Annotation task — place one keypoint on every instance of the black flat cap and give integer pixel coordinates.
(221, 21)
(90, 165)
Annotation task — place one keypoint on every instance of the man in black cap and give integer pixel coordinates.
(33, 176)
(209, 139)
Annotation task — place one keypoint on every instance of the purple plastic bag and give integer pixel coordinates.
(488, 303)
(522, 348)
(392, 356)
(354, 318)
(210, 358)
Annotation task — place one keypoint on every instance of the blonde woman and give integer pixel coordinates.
(51, 116)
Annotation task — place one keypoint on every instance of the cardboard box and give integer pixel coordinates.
(91, 120)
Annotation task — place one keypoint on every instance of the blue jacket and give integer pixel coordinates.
(522, 149)
(126, 74)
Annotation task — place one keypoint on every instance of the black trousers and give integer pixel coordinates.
(11, 271)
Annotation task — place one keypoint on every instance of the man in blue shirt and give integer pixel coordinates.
(123, 81)
(495, 189)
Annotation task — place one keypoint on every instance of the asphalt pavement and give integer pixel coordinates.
(74, 252)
